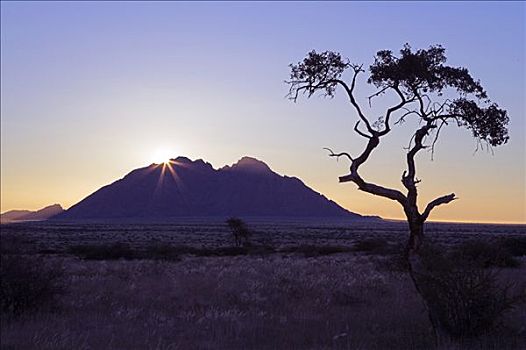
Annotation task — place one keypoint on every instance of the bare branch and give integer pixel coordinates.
(377, 94)
(308, 87)
(353, 100)
(409, 176)
(393, 109)
(402, 117)
(359, 132)
(436, 138)
(436, 111)
(338, 155)
(304, 86)
(422, 106)
(324, 80)
(480, 145)
(416, 77)
(374, 189)
(436, 202)
(366, 186)
(410, 142)
(350, 91)
(429, 101)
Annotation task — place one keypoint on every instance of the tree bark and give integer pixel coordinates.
(418, 269)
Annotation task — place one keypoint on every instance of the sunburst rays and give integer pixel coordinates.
(168, 166)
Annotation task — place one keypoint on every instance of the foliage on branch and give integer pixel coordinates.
(435, 94)
(421, 70)
(487, 124)
(429, 90)
(412, 75)
(318, 71)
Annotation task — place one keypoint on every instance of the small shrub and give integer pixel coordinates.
(28, 283)
(484, 254)
(468, 299)
(240, 232)
(516, 246)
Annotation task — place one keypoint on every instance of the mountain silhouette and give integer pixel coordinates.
(186, 188)
(28, 215)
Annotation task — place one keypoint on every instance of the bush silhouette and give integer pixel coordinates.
(485, 254)
(240, 232)
(468, 299)
(28, 283)
(516, 246)
(427, 91)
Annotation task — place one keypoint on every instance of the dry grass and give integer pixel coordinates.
(285, 299)
(228, 303)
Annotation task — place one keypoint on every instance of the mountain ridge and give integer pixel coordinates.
(31, 215)
(185, 188)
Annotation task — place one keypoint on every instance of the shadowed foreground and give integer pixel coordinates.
(289, 298)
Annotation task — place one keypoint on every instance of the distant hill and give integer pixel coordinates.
(13, 215)
(28, 215)
(186, 188)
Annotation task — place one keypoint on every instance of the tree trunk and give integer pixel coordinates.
(417, 269)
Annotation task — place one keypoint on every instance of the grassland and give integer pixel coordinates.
(302, 285)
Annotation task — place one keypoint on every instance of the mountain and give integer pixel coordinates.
(186, 188)
(27, 215)
(13, 215)
(44, 213)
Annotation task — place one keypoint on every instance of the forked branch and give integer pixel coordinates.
(360, 132)
(368, 187)
(436, 202)
(409, 176)
(400, 105)
(417, 78)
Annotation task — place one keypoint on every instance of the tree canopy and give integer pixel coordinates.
(428, 89)
(413, 76)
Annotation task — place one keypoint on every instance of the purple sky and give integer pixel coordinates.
(92, 90)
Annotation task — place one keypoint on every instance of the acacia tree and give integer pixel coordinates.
(420, 80)
(240, 231)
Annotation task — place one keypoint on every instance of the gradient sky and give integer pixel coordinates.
(92, 90)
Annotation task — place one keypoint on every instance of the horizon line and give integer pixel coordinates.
(445, 221)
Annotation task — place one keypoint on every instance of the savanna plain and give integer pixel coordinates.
(289, 285)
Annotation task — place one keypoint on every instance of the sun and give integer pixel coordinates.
(161, 156)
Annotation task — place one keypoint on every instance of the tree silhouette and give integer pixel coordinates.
(420, 80)
(240, 231)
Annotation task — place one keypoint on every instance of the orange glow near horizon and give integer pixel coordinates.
(473, 205)
(124, 98)
(468, 209)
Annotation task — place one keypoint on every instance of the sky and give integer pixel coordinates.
(92, 90)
